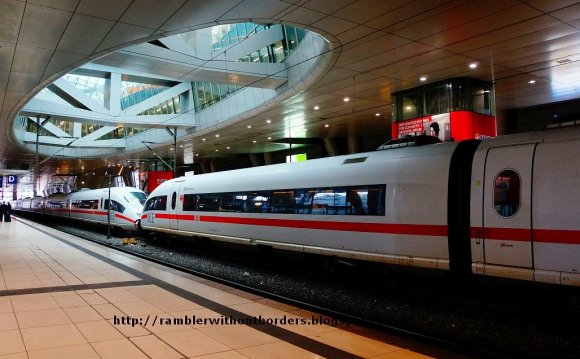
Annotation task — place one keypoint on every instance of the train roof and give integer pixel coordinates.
(548, 135)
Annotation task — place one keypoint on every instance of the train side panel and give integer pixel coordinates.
(556, 214)
(525, 205)
(413, 229)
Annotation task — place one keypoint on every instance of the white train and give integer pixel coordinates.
(506, 207)
(91, 205)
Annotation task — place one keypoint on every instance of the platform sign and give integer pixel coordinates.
(1, 181)
(11, 179)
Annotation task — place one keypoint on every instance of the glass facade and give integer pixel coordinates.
(206, 94)
(455, 94)
(92, 87)
(133, 93)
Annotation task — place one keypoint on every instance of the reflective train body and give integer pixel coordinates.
(91, 205)
(507, 207)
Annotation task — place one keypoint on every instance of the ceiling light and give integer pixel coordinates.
(327, 125)
(228, 147)
(408, 108)
(217, 135)
(473, 65)
(254, 141)
(268, 121)
(346, 99)
(170, 148)
(423, 78)
(217, 150)
(377, 114)
(531, 82)
(317, 107)
(269, 138)
(180, 146)
(203, 139)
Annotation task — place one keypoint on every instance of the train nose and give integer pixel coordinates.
(137, 224)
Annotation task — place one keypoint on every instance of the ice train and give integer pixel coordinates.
(90, 205)
(507, 207)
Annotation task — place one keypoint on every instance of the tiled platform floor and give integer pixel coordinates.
(61, 297)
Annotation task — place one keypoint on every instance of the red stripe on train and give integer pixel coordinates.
(414, 229)
(508, 234)
(182, 217)
(557, 236)
(117, 215)
(525, 235)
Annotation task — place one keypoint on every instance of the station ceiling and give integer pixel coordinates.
(530, 49)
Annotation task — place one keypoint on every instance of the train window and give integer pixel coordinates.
(228, 202)
(115, 206)
(506, 193)
(367, 200)
(258, 202)
(190, 202)
(158, 203)
(282, 201)
(173, 200)
(359, 200)
(142, 197)
(208, 202)
(303, 199)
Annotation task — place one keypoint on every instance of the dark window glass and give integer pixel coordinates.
(115, 206)
(258, 202)
(282, 201)
(189, 202)
(173, 200)
(208, 202)
(158, 203)
(359, 200)
(506, 193)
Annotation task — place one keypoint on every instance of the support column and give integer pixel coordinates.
(268, 158)
(330, 146)
(205, 168)
(113, 94)
(255, 160)
(353, 144)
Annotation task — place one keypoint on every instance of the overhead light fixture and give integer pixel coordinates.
(228, 147)
(268, 121)
(377, 114)
(254, 141)
(217, 135)
(327, 125)
(346, 99)
(531, 82)
(249, 126)
(316, 107)
(203, 139)
(473, 65)
(217, 150)
(423, 78)
(269, 138)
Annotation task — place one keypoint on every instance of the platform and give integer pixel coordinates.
(63, 297)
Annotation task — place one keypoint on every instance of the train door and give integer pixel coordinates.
(174, 206)
(507, 206)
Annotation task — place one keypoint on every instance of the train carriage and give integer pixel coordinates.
(504, 207)
(126, 205)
